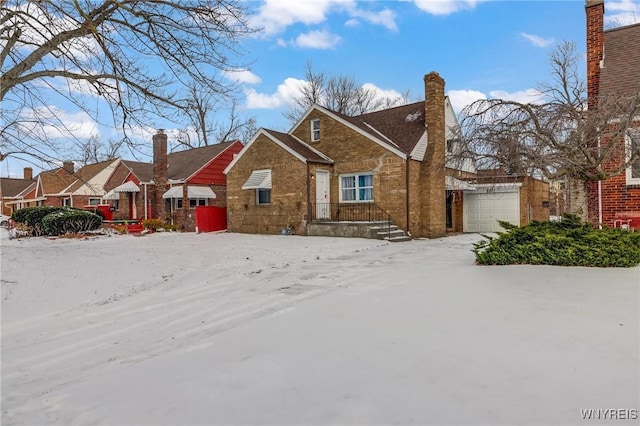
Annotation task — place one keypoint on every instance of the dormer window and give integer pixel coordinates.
(315, 130)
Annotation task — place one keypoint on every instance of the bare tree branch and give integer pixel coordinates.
(135, 57)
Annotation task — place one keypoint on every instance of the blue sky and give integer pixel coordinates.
(481, 49)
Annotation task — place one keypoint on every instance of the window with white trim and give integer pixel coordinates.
(94, 201)
(315, 130)
(633, 149)
(263, 196)
(66, 202)
(357, 187)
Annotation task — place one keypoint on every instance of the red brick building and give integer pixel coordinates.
(613, 69)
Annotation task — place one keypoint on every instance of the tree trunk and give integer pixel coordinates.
(578, 198)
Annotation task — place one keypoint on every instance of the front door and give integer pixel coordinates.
(323, 206)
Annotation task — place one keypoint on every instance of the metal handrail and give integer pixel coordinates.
(354, 212)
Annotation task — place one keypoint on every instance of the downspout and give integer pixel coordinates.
(599, 196)
(600, 204)
(308, 194)
(407, 191)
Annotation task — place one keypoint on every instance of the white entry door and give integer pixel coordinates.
(323, 206)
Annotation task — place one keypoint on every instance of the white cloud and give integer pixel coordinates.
(382, 93)
(623, 6)
(63, 123)
(620, 13)
(531, 96)
(317, 40)
(386, 17)
(462, 98)
(537, 40)
(352, 23)
(444, 7)
(243, 76)
(284, 95)
(274, 16)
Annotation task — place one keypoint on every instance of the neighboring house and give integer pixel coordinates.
(66, 188)
(185, 180)
(329, 167)
(18, 193)
(613, 68)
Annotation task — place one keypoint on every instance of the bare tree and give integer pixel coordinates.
(338, 93)
(123, 63)
(559, 137)
(204, 129)
(93, 150)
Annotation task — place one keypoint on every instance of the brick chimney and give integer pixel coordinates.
(433, 222)
(595, 48)
(68, 168)
(160, 165)
(28, 173)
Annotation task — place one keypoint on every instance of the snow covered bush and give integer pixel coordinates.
(32, 217)
(567, 242)
(70, 222)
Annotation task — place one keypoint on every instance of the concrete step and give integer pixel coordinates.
(399, 239)
(383, 235)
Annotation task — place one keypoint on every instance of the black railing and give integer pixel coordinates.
(348, 212)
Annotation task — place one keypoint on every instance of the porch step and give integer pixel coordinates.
(390, 233)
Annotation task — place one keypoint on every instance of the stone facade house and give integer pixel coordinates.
(385, 165)
(613, 68)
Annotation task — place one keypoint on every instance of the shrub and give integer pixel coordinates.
(153, 224)
(70, 221)
(32, 217)
(568, 242)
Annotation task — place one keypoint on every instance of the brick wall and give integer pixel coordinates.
(595, 46)
(354, 153)
(159, 173)
(288, 195)
(433, 223)
(617, 196)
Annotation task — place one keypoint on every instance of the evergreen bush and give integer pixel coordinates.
(70, 221)
(568, 242)
(32, 217)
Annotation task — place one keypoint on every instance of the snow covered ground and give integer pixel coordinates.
(205, 329)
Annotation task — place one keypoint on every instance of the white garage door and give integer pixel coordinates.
(482, 211)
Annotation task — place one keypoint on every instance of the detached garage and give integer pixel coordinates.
(518, 202)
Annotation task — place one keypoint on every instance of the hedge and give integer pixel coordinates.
(70, 222)
(568, 242)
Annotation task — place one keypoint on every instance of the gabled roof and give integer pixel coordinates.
(358, 125)
(51, 183)
(143, 171)
(183, 164)
(92, 175)
(291, 144)
(308, 153)
(12, 187)
(403, 125)
(621, 71)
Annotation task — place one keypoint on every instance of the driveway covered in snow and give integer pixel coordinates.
(204, 329)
